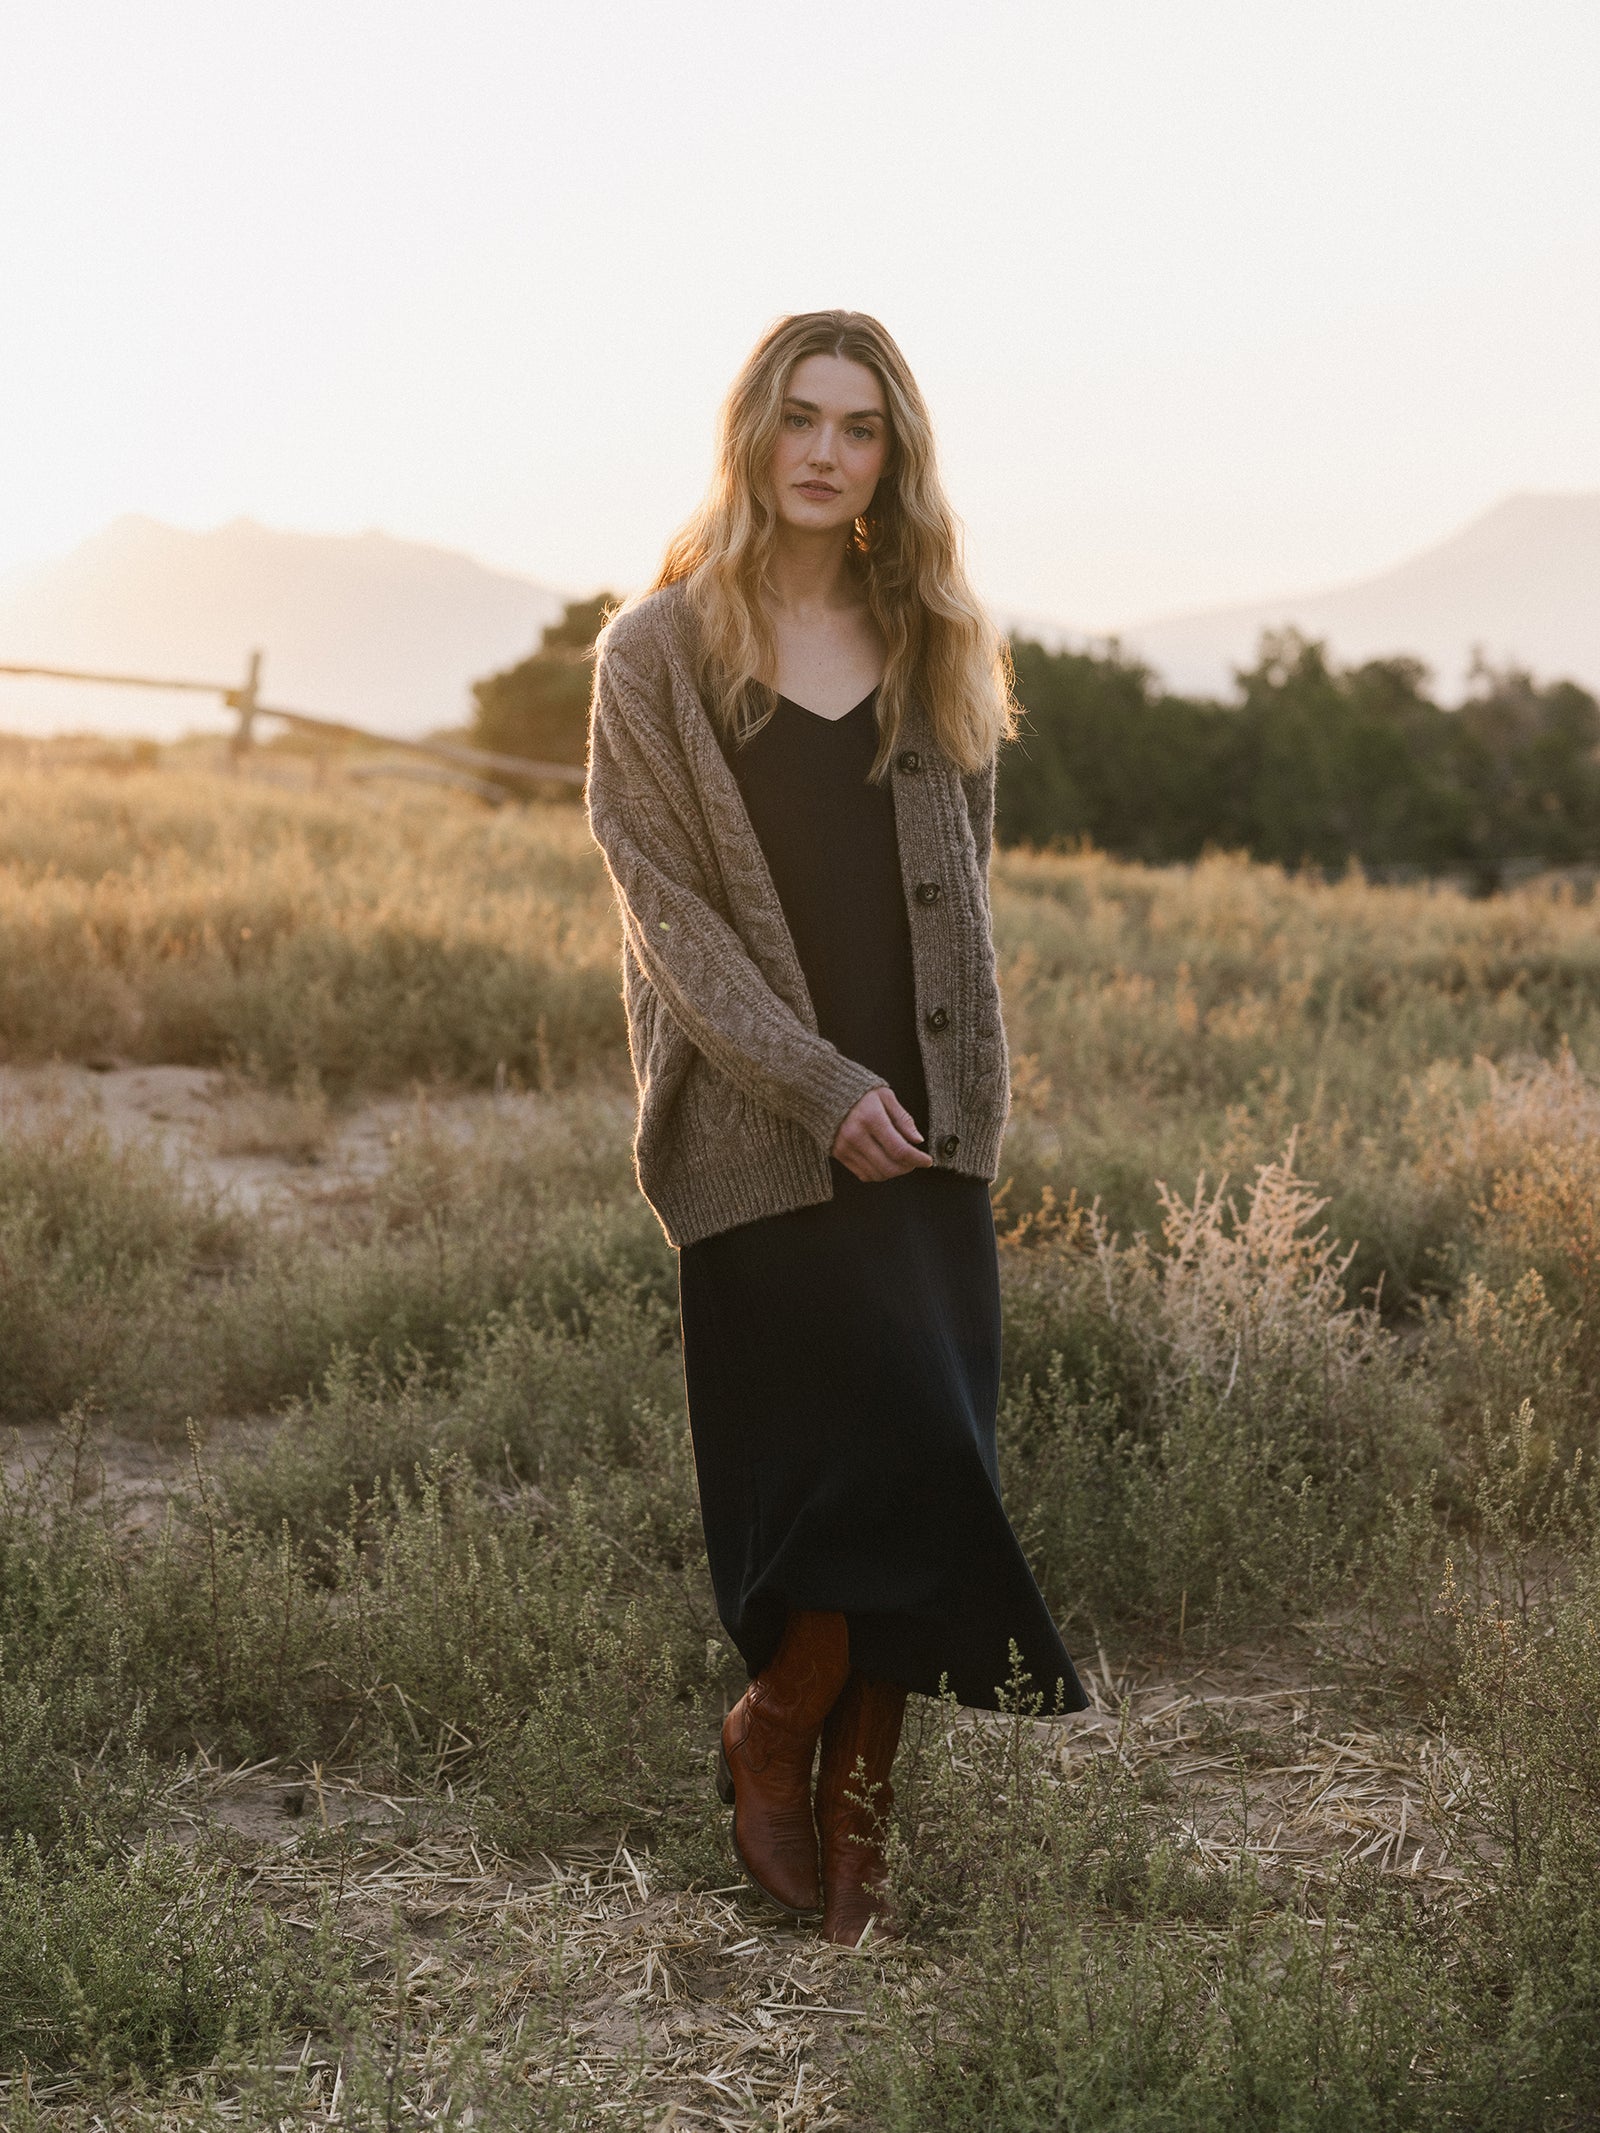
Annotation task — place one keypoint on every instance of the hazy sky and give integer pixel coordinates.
(1209, 297)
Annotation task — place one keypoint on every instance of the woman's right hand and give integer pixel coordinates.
(879, 1139)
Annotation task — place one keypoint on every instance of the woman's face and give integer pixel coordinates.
(832, 444)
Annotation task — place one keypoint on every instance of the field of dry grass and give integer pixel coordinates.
(358, 1670)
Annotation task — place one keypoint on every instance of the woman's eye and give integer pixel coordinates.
(795, 422)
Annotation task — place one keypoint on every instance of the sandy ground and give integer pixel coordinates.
(251, 1145)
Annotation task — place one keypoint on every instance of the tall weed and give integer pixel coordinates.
(1237, 1424)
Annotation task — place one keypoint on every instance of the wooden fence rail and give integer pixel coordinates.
(244, 698)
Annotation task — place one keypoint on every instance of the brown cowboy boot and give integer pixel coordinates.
(854, 1798)
(769, 1739)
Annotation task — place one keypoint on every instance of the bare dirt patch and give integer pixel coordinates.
(261, 1149)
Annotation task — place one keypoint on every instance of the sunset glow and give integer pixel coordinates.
(1208, 302)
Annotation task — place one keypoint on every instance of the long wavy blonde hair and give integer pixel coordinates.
(942, 646)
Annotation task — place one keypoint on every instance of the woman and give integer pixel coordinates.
(792, 778)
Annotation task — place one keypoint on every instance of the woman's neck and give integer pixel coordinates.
(809, 572)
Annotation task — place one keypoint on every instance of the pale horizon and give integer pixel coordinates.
(568, 588)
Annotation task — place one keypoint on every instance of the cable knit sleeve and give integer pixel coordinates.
(978, 785)
(636, 793)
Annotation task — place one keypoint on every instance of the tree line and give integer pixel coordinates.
(1313, 763)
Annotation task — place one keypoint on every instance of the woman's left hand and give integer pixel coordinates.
(878, 1139)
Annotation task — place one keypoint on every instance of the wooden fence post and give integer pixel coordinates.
(244, 701)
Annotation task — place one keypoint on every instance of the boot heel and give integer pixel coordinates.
(724, 1777)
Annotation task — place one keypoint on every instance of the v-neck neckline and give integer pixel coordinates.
(822, 717)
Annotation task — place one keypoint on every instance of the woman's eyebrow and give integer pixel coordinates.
(862, 414)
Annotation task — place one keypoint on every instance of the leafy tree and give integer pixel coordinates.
(1341, 764)
(540, 708)
(1525, 762)
(1103, 754)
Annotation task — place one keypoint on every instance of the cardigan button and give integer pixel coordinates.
(928, 892)
(939, 1019)
(909, 760)
(949, 1144)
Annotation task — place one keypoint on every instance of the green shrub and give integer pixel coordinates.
(51, 1781)
(510, 1637)
(73, 1718)
(528, 1402)
(152, 1959)
(101, 1248)
(1146, 2031)
(123, 1285)
(612, 1740)
(1214, 1522)
(1526, 1712)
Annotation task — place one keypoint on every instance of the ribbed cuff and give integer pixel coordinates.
(832, 1094)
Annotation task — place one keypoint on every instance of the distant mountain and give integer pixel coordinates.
(383, 632)
(390, 633)
(1521, 583)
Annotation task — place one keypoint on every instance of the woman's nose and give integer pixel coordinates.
(822, 448)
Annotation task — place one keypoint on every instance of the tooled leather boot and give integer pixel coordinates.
(854, 1798)
(769, 1739)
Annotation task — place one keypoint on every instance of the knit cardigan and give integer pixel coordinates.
(740, 1098)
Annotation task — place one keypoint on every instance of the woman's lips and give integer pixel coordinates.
(815, 488)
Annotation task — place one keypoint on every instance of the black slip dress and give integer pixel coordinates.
(842, 1361)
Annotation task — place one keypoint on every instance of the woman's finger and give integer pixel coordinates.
(899, 1115)
(891, 1147)
(873, 1157)
(904, 1153)
(886, 1138)
(908, 1153)
(862, 1154)
(873, 1144)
